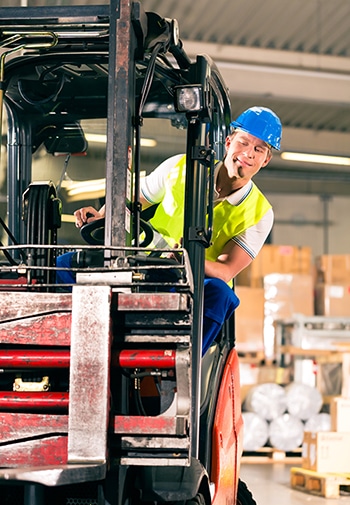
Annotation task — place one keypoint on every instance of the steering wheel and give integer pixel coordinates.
(93, 232)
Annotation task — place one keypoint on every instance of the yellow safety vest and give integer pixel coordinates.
(228, 220)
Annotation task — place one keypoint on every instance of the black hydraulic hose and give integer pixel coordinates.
(138, 401)
(137, 204)
(146, 86)
(180, 56)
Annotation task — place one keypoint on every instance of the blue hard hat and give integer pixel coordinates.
(261, 122)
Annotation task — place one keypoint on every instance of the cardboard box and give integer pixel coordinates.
(326, 452)
(273, 373)
(288, 294)
(249, 319)
(284, 259)
(252, 374)
(340, 414)
(332, 299)
(333, 268)
(248, 374)
(285, 295)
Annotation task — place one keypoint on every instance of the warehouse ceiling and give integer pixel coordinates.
(290, 55)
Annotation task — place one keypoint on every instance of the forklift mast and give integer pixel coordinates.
(105, 397)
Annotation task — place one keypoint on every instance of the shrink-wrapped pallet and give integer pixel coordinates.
(268, 400)
(319, 422)
(303, 401)
(286, 433)
(256, 431)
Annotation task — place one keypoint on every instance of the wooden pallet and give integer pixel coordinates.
(328, 485)
(272, 455)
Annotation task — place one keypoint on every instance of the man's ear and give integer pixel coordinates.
(268, 159)
(228, 141)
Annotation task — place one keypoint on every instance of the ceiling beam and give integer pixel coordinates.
(282, 75)
(315, 142)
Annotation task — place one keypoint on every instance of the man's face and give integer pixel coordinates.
(245, 155)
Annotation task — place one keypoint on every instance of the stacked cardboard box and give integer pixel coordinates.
(326, 451)
(332, 300)
(285, 295)
(288, 294)
(332, 290)
(329, 451)
(277, 284)
(282, 259)
(249, 320)
(333, 268)
(340, 414)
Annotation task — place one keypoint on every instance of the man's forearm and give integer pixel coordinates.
(219, 270)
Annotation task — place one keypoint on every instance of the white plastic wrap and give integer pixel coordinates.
(303, 401)
(256, 431)
(268, 400)
(319, 422)
(286, 433)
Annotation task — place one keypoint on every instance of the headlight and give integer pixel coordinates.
(189, 98)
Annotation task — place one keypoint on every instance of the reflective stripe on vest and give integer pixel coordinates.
(228, 220)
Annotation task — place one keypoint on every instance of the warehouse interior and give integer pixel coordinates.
(294, 58)
(293, 323)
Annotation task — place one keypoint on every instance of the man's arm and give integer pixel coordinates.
(145, 203)
(235, 256)
(231, 261)
(89, 214)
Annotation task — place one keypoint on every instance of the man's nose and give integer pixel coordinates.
(249, 151)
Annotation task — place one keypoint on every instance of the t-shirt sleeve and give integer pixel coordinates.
(252, 239)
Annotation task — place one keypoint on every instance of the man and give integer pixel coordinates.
(242, 218)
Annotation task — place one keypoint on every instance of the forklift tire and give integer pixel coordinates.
(197, 500)
(244, 496)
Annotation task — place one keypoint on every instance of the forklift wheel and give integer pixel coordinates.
(244, 496)
(197, 500)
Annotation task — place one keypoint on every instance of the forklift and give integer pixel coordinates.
(105, 398)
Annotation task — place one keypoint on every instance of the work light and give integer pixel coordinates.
(189, 98)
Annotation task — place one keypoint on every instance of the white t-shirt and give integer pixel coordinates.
(251, 240)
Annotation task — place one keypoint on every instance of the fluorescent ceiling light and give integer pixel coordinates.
(68, 218)
(102, 139)
(148, 142)
(315, 158)
(92, 188)
(98, 138)
(80, 187)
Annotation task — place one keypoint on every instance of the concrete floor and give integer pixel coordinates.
(270, 484)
